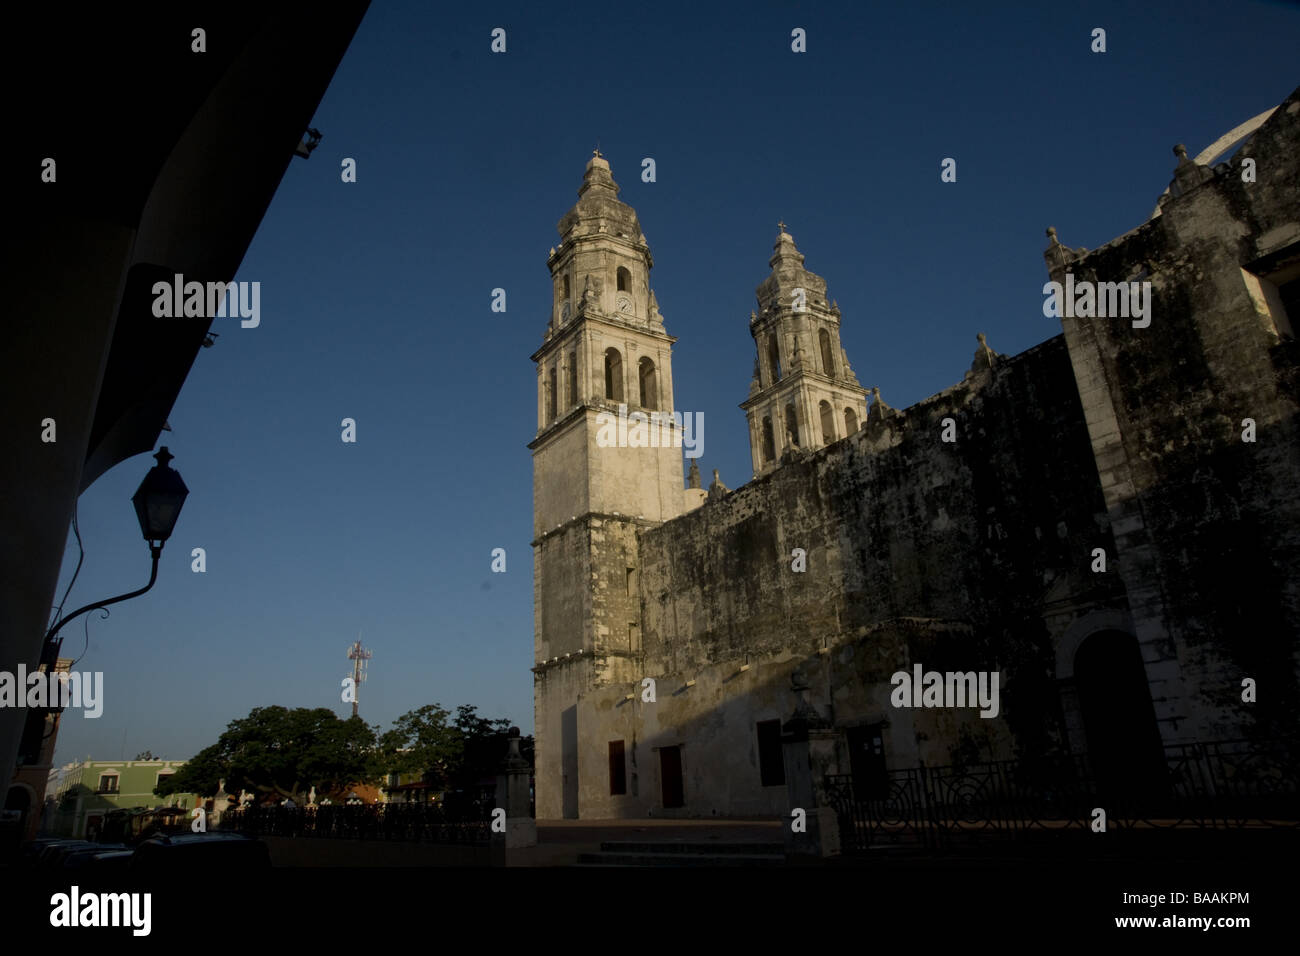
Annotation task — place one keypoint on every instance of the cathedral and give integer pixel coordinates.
(1104, 528)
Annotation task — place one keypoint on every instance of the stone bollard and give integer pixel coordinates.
(512, 795)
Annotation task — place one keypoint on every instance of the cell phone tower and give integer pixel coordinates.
(359, 657)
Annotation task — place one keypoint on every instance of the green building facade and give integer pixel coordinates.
(88, 790)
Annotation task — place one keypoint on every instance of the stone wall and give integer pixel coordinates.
(985, 541)
(1207, 525)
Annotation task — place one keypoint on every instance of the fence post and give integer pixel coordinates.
(808, 746)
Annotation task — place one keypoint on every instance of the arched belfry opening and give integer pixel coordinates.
(613, 375)
(828, 422)
(792, 425)
(773, 360)
(649, 387)
(824, 344)
(624, 279)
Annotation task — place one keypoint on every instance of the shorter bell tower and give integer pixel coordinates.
(804, 394)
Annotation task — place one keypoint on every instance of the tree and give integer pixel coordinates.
(483, 745)
(279, 752)
(453, 755)
(421, 742)
(147, 755)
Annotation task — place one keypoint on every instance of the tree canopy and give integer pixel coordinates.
(279, 752)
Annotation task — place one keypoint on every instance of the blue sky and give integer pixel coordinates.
(375, 300)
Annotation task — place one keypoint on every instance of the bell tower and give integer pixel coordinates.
(803, 395)
(602, 469)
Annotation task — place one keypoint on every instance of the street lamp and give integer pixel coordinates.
(158, 503)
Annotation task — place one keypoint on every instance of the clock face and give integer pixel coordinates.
(564, 312)
(624, 303)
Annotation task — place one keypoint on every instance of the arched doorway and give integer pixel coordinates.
(1124, 747)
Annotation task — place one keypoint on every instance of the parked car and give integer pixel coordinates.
(76, 857)
(200, 851)
(55, 849)
(32, 849)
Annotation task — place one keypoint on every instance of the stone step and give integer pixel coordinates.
(606, 858)
(706, 849)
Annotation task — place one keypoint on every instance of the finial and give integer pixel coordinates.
(875, 392)
(780, 225)
(1181, 152)
(163, 456)
(1051, 233)
(596, 152)
(979, 337)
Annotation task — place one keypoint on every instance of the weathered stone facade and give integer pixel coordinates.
(1048, 518)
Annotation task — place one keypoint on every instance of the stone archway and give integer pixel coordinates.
(1119, 724)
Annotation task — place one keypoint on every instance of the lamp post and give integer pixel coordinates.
(158, 503)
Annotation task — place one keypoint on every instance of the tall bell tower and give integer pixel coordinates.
(804, 395)
(605, 356)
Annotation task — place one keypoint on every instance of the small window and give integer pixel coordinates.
(617, 769)
(573, 378)
(163, 775)
(624, 280)
(769, 444)
(108, 783)
(633, 639)
(792, 425)
(566, 288)
(550, 395)
(771, 760)
(631, 581)
(1275, 289)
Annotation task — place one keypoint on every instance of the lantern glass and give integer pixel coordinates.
(159, 499)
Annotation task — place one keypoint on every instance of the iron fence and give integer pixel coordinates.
(384, 821)
(1221, 784)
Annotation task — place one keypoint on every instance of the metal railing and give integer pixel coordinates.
(1221, 784)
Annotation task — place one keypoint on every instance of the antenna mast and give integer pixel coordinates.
(359, 657)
